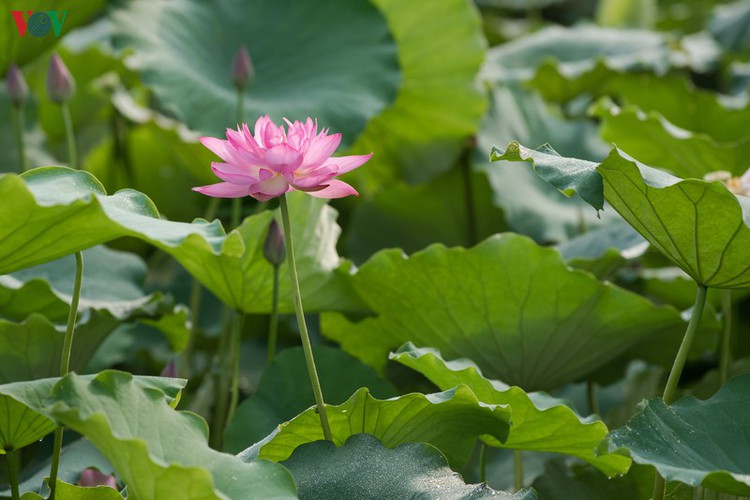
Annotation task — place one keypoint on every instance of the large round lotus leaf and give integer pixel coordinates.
(513, 307)
(700, 443)
(577, 51)
(540, 422)
(116, 411)
(334, 60)
(701, 226)
(342, 61)
(365, 469)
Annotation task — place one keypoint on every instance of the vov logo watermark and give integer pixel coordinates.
(39, 23)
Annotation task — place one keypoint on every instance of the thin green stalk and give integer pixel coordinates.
(196, 297)
(240, 105)
(65, 366)
(273, 327)
(725, 355)
(591, 396)
(482, 462)
(68, 121)
(223, 382)
(307, 347)
(239, 320)
(10, 459)
(679, 363)
(659, 487)
(684, 350)
(16, 113)
(518, 465)
(471, 216)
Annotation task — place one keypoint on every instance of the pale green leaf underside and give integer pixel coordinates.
(539, 422)
(26, 407)
(363, 468)
(650, 137)
(695, 442)
(61, 211)
(701, 226)
(513, 307)
(170, 460)
(451, 421)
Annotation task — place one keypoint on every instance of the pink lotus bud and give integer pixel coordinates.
(61, 87)
(92, 477)
(170, 370)
(274, 248)
(17, 87)
(242, 69)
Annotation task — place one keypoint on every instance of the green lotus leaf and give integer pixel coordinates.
(237, 273)
(563, 62)
(563, 482)
(518, 311)
(26, 406)
(21, 49)
(729, 25)
(539, 422)
(709, 113)
(280, 397)
(245, 280)
(67, 491)
(364, 468)
(116, 413)
(530, 205)
(451, 421)
(413, 92)
(385, 221)
(652, 139)
(66, 210)
(112, 289)
(701, 226)
(700, 443)
(602, 251)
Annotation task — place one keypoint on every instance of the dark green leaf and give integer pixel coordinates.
(451, 421)
(364, 469)
(539, 422)
(513, 307)
(700, 443)
(280, 395)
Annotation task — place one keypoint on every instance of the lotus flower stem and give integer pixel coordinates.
(273, 327)
(234, 349)
(223, 381)
(10, 459)
(518, 466)
(687, 341)
(471, 216)
(72, 152)
(16, 113)
(679, 364)
(591, 396)
(307, 347)
(482, 462)
(196, 296)
(65, 366)
(725, 355)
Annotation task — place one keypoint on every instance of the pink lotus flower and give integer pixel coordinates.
(272, 161)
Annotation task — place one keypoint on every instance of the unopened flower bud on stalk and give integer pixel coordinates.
(274, 247)
(92, 477)
(169, 370)
(17, 88)
(61, 87)
(242, 69)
